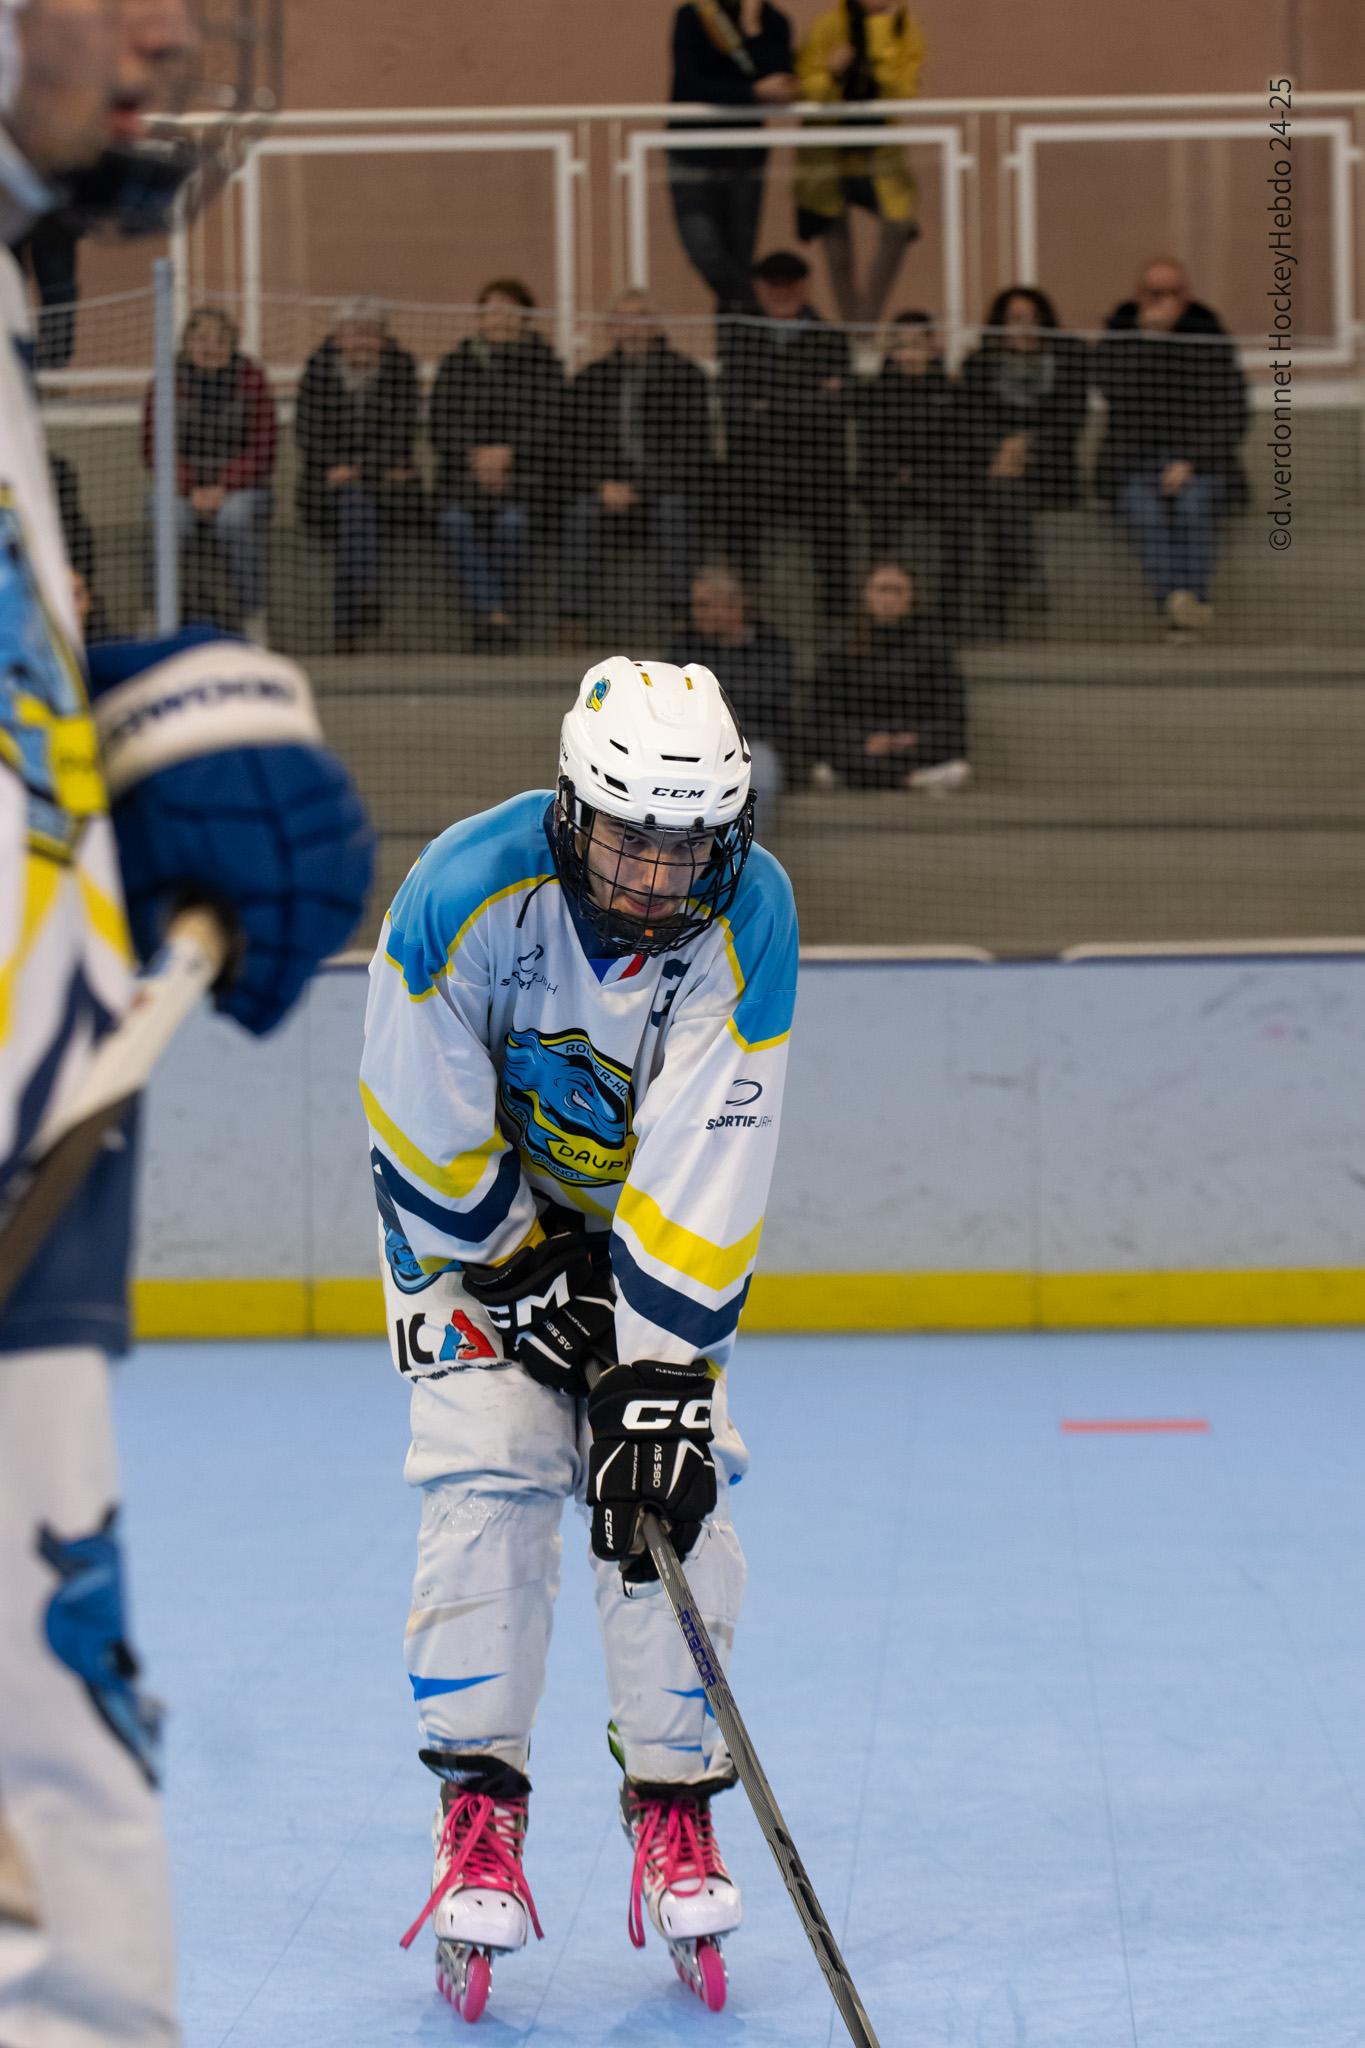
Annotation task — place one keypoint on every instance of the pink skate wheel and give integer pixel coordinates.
(712, 1972)
(477, 1980)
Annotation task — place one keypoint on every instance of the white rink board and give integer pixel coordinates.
(1042, 1117)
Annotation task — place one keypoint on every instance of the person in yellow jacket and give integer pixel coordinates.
(859, 50)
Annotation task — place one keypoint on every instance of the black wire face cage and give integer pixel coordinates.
(647, 888)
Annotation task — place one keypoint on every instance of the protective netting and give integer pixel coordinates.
(1020, 664)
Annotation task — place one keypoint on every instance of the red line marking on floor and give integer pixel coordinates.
(1191, 1425)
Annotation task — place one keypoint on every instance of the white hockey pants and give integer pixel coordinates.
(496, 1457)
(85, 1922)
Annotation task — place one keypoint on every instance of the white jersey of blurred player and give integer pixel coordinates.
(85, 1931)
(545, 1034)
(85, 1952)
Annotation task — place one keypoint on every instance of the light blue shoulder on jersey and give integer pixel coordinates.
(470, 865)
(762, 946)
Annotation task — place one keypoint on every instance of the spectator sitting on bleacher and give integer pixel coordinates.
(356, 423)
(731, 54)
(495, 417)
(909, 459)
(892, 711)
(860, 50)
(1177, 412)
(640, 458)
(225, 440)
(1023, 406)
(756, 671)
(785, 386)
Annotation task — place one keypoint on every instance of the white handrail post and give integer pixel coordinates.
(165, 521)
(637, 191)
(954, 305)
(251, 250)
(565, 281)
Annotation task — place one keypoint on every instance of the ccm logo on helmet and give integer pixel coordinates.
(659, 1414)
(694, 795)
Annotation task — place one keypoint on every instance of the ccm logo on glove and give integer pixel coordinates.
(661, 1415)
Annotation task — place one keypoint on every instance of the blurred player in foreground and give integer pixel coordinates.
(200, 774)
(574, 1057)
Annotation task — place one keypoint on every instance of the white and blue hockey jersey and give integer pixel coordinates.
(66, 961)
(505, 1067)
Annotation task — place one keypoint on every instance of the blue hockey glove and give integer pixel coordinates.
(222, 790)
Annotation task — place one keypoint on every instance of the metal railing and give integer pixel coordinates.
(601, 159)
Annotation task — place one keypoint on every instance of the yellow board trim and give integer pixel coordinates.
(717, 1266)
(888, 1302)
(455, 1179)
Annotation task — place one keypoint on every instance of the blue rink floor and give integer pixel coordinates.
(1069, 1727)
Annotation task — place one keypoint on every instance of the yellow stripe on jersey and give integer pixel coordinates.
(745, 1044)
(716, 1266)
(527, 882)
(457, 1178)
(105, 917)
(42, 880)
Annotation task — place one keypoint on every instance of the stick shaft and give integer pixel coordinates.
(754, 1780)
(68, 1143)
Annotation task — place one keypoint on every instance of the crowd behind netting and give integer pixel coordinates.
(914, 489)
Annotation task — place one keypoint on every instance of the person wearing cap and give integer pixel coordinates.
(356, 425)
(785, 389)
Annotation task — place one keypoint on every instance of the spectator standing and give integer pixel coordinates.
(858, 51)
(1024, 394)
(909, 460)
(495, 417)
(893, 711)
(757, 673)
(727, 53)
(640, 436)
(226, 436)
(1177, 413)
(785, 388)
(356, 423)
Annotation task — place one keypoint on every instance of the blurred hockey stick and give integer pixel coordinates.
(197, 947)
(754, 1779)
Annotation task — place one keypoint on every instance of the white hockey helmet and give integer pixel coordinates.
(656, 751)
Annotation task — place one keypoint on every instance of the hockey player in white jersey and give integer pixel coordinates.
(200, 771)
(574, 1055)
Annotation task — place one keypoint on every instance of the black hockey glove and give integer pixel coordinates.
(651, 1448)
(554, 1307)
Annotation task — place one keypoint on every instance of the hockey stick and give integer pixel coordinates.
(752, 1775)
(66, 1147)
(754, 1780)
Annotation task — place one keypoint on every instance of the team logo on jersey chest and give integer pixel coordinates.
(571, 1106)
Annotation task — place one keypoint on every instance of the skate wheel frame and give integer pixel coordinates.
(701, 1967)
(463, 1977)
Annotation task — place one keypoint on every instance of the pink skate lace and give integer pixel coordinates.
(484, 1837)
(675, 1846)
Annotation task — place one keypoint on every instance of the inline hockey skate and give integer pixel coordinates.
(679, 1875)
(480, 1904)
